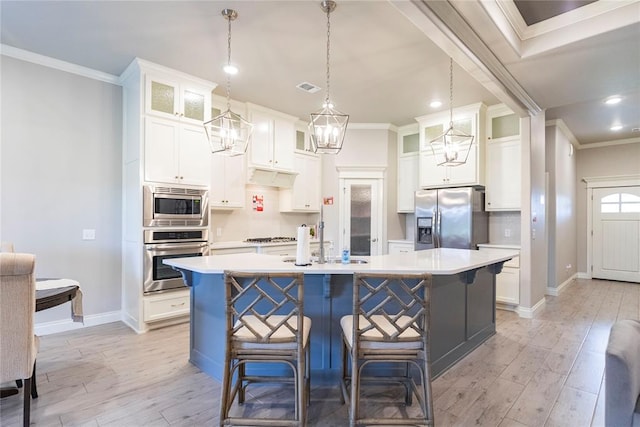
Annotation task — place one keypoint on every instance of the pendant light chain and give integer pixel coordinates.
(229, 63)
(328, 50)
(451, 92)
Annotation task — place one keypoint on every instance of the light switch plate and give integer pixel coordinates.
(88, 234)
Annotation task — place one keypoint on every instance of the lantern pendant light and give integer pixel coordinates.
(452, 147)
(229, 132)
(328, 126)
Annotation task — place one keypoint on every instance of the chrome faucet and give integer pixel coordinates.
(321, 235)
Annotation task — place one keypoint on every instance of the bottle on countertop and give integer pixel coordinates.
(346, 257)
(330, 255)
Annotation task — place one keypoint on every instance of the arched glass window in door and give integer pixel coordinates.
(620, 203)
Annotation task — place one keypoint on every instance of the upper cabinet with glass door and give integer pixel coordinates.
(180, 99)
(503, 160)
(408, 151)
(303, 139)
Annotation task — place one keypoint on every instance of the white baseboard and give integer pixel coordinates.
(47, 328)
(556, 291)
(528, 313)
(583, 275)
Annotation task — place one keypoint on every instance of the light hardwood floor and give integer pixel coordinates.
(546, 371)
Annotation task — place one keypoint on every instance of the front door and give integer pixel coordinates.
(361, 216)
(616, 233)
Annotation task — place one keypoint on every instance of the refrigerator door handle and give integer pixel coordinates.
(439, 228)
(436, 232)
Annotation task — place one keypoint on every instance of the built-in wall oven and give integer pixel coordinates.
(175, 207)
(165, 243)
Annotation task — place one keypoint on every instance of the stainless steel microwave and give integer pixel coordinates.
(171, 206)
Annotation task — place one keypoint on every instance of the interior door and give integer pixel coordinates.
(362, 216)
(616, 233)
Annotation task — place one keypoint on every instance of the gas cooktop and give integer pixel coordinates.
(270, 239)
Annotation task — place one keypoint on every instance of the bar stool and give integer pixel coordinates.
(389, 324)
(265, 324)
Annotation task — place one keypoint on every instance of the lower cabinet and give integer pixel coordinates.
(400, 247)
(508, 282)
(236, 250)
(166, 305)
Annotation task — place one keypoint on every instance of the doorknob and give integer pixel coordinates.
(374, 240)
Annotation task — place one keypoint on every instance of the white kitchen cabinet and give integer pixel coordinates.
(469, 119)
(273, 139)
(408, 166)
(303, 139)
(177, 98)
(503, 171)
(227, 189)
(175, 153)
(166, 305)
(158, 146)
(304, 196)
(400, 247)
(508, 280)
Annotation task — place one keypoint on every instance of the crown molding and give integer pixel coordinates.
(372, 126)
(57, 64)
(610, 143)
(562, 126)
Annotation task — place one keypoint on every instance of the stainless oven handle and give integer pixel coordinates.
(174, 246)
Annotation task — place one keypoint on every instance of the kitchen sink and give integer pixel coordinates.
(334, 261)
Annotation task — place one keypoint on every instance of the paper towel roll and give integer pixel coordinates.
(303, 248)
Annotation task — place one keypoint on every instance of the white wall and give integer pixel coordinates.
(61, 173)
(612, 160)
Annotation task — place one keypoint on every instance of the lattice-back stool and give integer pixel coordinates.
(389, 324)
(265, 324)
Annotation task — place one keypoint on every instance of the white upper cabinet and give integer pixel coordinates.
(273, 140)
(503, 169)
(304, 196)
(177, 99)
(175, 153)
(408, 164)
(227, 190)
(469, 119)
(303, 138)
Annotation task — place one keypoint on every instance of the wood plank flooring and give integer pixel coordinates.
(546, 371)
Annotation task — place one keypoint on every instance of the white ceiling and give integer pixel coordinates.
(384, 69)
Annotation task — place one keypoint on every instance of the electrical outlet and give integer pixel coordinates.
(88, 234)
(568, 267)
(507, 232)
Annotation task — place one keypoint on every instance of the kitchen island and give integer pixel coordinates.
(462, 301)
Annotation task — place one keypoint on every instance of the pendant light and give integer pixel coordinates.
(229, 132)
(452, 147)
(328, 126)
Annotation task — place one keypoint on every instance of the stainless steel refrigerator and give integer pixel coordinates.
(451, 218)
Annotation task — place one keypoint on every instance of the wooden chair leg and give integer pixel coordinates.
(19, 383)
(34, 389)
(26, 414)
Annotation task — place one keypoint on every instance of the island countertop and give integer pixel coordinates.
(442, 261)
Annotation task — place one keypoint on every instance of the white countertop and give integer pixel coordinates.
(498, 246)
(240, 244)
(435, 261)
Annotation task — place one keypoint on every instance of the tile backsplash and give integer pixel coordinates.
(504, 228)
(239, 224)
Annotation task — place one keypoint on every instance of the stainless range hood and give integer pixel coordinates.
(271, 177)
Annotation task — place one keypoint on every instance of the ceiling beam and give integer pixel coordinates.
(444, 25)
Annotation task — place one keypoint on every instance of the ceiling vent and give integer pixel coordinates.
(308, 87)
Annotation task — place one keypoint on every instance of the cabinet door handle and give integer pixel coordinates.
(177, 305)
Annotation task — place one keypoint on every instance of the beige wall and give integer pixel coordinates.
(533, 254)
(61, 170)
(561, 207)
(613, 160)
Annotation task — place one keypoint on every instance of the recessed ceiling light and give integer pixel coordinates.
(230, 69)
(435, 104)
(612, 100)
(616, 127)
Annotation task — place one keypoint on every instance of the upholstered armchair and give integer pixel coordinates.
(622, 375)
(18, 343)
